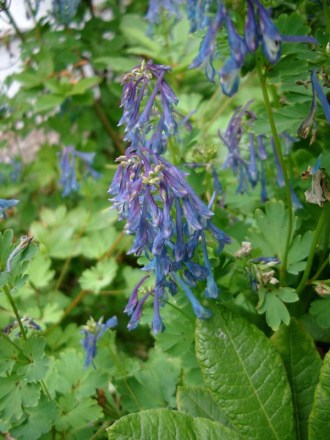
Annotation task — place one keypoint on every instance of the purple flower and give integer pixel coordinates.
(6, 204)
(158, 7)
(93, 331)
(321, 95)
(251, 33)
(67, 164)
(169, 221)
(198, 14)
(152, 125)
(207, 47)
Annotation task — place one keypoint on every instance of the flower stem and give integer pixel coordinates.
(13, 305)
(278, 149)
(320, 225)
(14, 24)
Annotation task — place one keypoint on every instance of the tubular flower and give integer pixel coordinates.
(169, 223)
(157, 7)
(67, 164)
(93, 331)
(156, 122)
(65, 10)
(259, 30)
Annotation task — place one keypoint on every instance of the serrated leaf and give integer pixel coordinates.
(39, 420)
(39, 272)
(153, 385)
(161, 424)
(9, 355)
(246, 375)
(75, 414)
(96, 243)
(302, 363)
(199, 402)
(320, 414)
(99, 276)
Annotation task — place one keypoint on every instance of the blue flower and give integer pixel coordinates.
(67, 164)
(198, 14)
(158, 7)
(156, 122)
(169, 222)
(321, 95)
(93, 331)
(6, 204)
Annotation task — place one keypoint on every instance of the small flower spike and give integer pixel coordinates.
(93, 331)
(6, 204)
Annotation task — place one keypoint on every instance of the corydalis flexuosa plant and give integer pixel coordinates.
(169, 221)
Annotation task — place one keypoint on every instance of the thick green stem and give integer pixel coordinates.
(284, 169)
(320, 225)
(13, 305)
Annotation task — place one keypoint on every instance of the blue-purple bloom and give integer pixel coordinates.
(68, 166)
(6, 204)
(27, 322)
(147, 102)
(158, 7)
(169, 223)
(93, 331)
(259, 30)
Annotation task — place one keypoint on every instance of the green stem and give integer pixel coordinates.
(320, 270)
(100, 430)
(13, 305)
(108, 128)
(278, 149)
(119, 366)
(320, 225)
(327, 14)
(45, 389)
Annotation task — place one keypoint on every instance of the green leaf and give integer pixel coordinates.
(48, 102)
(164, 424)
(75, 414)
(39, 271)
(320, 414)
(99, 276)
(96, 243)
(153, 385)
(272, 303)
(320, 309)
(246, 375)
(83, 85)
(39, 420)
(199, 402)
(302, 363)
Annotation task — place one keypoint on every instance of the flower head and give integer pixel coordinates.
(148, 115)
(93, 331)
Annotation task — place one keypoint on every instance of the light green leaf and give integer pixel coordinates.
(48, 102)
(246, 375)
(164, 424)
(302, 363)
(99, 276)
(320, 414)
(96, 243)
(39, 272)
(83, 85)
(74, 414)
(272, 304)
(199, 402)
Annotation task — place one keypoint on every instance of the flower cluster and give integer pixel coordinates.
(169, 223)
(247, 154)
(93, 331)
(259, 31)
(147, 103)
(157, 7)
(67, 164)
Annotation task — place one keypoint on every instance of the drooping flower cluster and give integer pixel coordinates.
(169, 221)
(247, 154)
(93, 331)
(67, 164)
(259, 31)
(148, 113)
